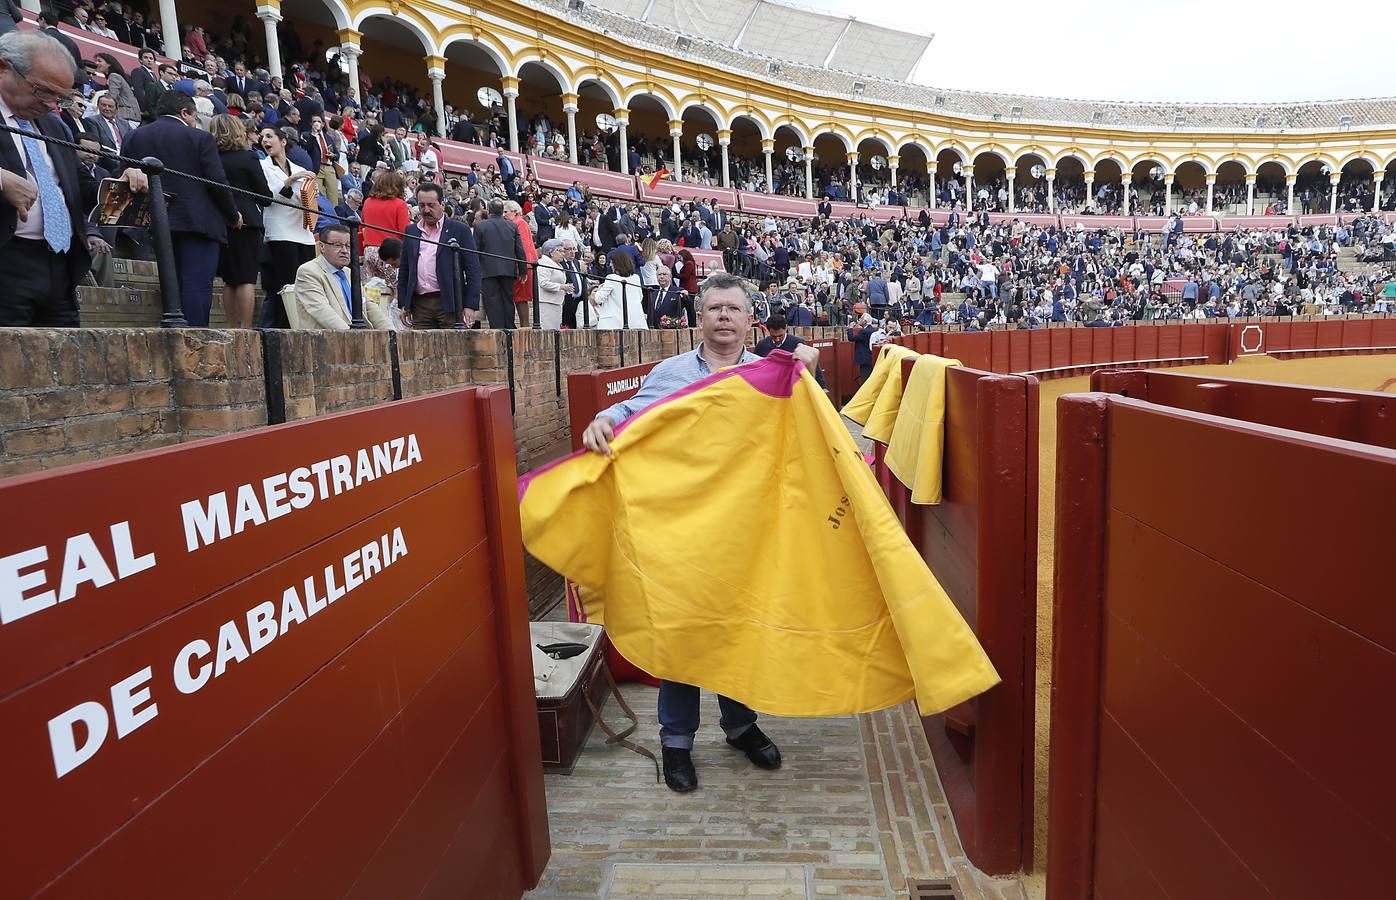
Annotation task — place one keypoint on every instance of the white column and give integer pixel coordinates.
(1051, 195)
(1126, 184)
(1289, 194)
(893, 164)
(853, 177)
(569, 106)
(1168, 194)
(350, 53)
(1011, 173)
(1377, 178)
(511, 95)
(968, 172)
(30, 5)
(931, 180)
(623, 130)
(1250, 195)
(436, 71)
(269, 15)
(768, 149)
(169, 28)
(724, 141)
(809, 173)
(1090, 191)
(1332, 192)
(1211, 184)
(676, 132)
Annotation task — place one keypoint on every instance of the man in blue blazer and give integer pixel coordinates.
(200, 215)
(427, 293)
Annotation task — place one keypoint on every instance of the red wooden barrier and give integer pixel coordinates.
(190, 707)
(1267, 223)
(457, 156)
(981, 543)
(89, 44)
(834, 376)
(554, 174)
(777, 205)
(1190, 629)
(589, 392)
(972, 348)
(1359, 416)
(1289, 339)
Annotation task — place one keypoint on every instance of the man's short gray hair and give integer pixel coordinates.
(551, 246)
(21, 48)
(721, 281)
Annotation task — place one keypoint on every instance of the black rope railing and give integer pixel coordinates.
(172, 315)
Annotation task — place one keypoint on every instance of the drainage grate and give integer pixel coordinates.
(934, 889)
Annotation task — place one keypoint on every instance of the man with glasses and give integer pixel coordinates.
(323, 287)
(44, 236)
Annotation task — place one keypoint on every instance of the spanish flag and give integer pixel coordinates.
(687, 592)
(651, 180)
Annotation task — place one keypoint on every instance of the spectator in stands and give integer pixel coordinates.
(10, 17)
(501, 264)
(44, 233)
(668, 309)
(290, 242)
(199, 213)
(106, 126)
(322, 286)
(554, 286)
(91, 174)
(617, 302)
(428, 276)
(239, 258)
(523, 287)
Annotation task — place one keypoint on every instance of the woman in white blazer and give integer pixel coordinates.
(290, 242)
(552, 285)
(606, 300)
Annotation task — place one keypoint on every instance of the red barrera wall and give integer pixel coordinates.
(379, 746)
(1361, 416)
(1196, 621)
(1291, 340)
(981, 543)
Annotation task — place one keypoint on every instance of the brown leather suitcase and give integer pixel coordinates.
(565, 722)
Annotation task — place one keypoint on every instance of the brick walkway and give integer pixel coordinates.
(856, 810)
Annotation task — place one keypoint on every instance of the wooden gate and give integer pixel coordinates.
(291, 662)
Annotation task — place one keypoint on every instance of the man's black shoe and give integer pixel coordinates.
(678, 770)
(758, 748)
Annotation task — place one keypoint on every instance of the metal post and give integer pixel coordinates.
(456, 280)
(624, 306)
(356, 282)
(586, 303)
(170, 299)
(537, 315)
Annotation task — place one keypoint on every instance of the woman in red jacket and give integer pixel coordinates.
(384, 208)
(523, 287)
(687, 276)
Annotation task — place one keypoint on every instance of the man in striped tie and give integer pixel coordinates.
(44, 236)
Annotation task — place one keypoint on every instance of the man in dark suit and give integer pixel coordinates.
(241, 83)
(465, 131)
(426, 279)
(109, 130)
(142, 79)
(543, 213)
(44, 236)
(199, 214)
(508, 172)
(777, 338)
(574, 278)
(502, 262)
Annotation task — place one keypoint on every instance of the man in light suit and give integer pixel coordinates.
(322, 287)
(554, 284)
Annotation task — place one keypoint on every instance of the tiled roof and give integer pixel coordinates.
(1154, 116)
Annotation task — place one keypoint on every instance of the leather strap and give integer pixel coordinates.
(612, 738)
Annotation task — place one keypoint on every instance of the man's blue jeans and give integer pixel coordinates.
(678, 715)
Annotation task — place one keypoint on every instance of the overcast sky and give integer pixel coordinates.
(1191, 50)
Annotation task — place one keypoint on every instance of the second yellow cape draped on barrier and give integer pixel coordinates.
(917, 450)
(875, 405)
(742, 544)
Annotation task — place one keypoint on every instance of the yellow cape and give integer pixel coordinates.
(875, 405)
(742, 544)
(917, 449)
